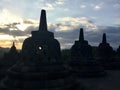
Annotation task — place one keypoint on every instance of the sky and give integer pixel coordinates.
(64, 17)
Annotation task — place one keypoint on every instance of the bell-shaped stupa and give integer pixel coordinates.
(42, 44)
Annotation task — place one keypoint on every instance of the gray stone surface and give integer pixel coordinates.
(110, 82)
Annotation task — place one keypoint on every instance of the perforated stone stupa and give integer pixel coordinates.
(41, 67)
(42, 44)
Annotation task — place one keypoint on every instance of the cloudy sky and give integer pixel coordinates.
(65, 17)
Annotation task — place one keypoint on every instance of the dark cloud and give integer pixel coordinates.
(67, 38)
(112, 34)
(28, 22)
(4, 30)
(93, 37)
(30, 29)
(14, 33)
(18, 33)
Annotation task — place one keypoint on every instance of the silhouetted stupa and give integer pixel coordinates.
(81, 48)
(82, 60)
(42, 42)
(11, 57)
(106, 53)
(41, 68)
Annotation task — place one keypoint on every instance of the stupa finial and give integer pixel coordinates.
(43, 21)
(81, 35)
(104, 38)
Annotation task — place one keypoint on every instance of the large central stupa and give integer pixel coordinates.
(42, 43)
(41, 67)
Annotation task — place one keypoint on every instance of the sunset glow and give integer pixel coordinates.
(95, 16)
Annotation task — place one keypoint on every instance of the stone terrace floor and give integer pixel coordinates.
(110, 82)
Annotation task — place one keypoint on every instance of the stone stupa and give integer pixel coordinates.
(106, 53)
(41, 67)
(10, 58)
(82, 61)
(42, 43)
